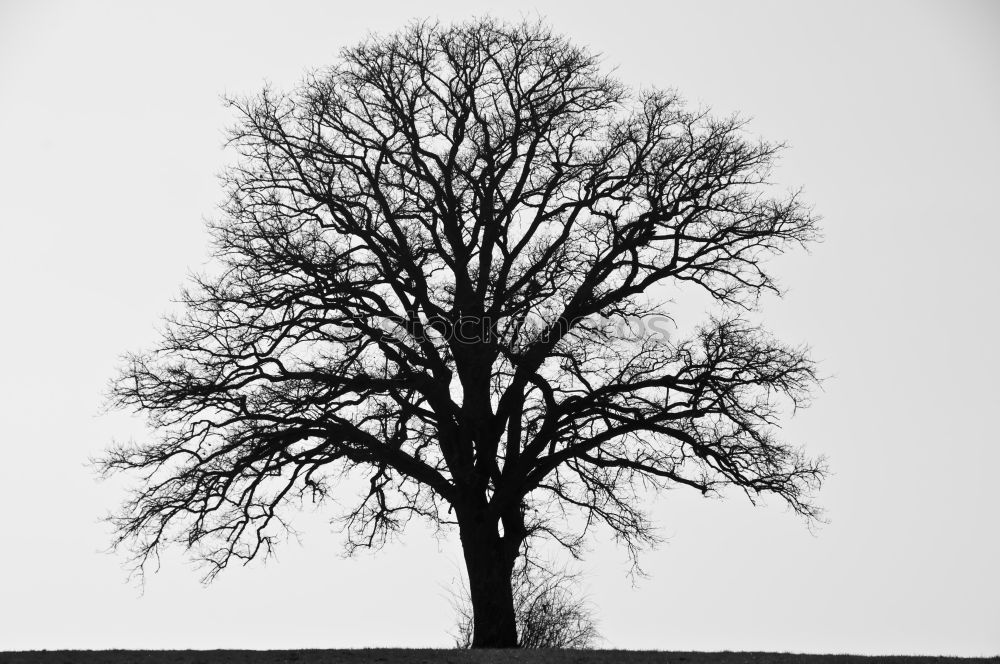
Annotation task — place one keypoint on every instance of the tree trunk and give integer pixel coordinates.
(489, 566)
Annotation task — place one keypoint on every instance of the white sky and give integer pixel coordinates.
(110, 134)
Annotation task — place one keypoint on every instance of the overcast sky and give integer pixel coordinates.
(111, 133)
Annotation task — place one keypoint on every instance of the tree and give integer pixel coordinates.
(418, 255)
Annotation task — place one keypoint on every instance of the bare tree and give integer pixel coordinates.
(418, 253)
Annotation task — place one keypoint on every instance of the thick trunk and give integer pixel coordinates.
(489, 565)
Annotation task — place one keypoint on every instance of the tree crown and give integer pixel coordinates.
(420, 249)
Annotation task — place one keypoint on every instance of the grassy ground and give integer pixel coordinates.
(398, 656)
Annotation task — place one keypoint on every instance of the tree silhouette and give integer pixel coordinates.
(419, 252)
